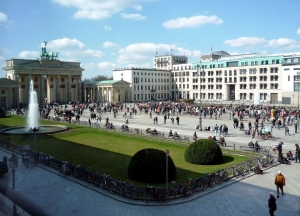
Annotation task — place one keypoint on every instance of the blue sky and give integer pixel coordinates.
(108, 34)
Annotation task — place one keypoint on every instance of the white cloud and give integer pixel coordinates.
(108, 28)
(95, 9)
(138, 7)
(107, 65)
(282, 42)
(245, 41)
(108, 44)
(72, 48)
(29, 54)
(3, 17)
(141, 52)
(298, 31)
(192, 22)
(132, 16)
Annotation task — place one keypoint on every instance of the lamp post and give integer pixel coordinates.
(200, 114)
(13, 163)
(34, 130)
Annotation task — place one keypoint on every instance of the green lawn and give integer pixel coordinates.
(109, 152)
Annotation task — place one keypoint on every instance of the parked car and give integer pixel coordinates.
(3, 168)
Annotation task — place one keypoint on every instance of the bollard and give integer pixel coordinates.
(233, 146)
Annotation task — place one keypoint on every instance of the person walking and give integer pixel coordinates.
(216, 130)
(279, 182)
(272, 204)
(297, 153)
(287, 131)
(279, 148)
(177, 120)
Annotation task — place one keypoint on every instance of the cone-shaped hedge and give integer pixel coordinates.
(149, 165)
(204, 152)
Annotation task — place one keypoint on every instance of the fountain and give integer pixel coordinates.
(33, 109)
(32, 123)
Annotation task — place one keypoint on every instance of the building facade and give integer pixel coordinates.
(54, 80)
(146, 83)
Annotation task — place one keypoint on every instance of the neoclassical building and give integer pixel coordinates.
(54, 80)
(107, 90)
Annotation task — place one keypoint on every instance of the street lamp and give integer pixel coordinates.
(200, 114)
(13, 163)
(34, 130)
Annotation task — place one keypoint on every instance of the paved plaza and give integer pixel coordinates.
(64, 195)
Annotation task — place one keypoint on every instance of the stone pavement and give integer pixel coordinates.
(63, 195)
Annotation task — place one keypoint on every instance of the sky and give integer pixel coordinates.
(108, 34)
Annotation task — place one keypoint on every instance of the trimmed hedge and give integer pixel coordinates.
(149, 165)
(204, 152)
(2, 113)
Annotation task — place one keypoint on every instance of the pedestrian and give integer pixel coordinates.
(287, 132)
(279, 182)
(216, 130)
(279, 148)
(177, 120)
(150, 115)
(272, 204)
(172, 120)
(165, 119)
(297, 153)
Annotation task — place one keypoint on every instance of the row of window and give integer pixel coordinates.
(150, 88)
(160, 96)
(138, 80)
(155, 74)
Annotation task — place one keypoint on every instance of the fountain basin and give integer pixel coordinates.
(43, 129)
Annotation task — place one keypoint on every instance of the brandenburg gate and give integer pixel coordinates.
(54, 80)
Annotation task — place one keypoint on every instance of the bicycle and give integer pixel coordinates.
(155, 194)
(221, 176)
(129, 190)
(237, 171)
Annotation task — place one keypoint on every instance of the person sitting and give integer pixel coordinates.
(111, 126)
(257, 147)
(289, 155)
(170, 133)
(251, 144)
(175, 134)
(268, 135)
(222, 141)
(282, 158)
(214, 138)
(207, 128)
(258, 169)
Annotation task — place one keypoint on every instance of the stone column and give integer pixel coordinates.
(42, 88)
(112, 94)
(27, 88)
(57, 88)
(9, 98)
(79, 88)
(69, 82)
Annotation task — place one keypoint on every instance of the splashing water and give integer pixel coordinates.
(33, 112)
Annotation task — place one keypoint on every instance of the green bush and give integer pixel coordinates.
(2, 113)
(204, 152)
(149, 165)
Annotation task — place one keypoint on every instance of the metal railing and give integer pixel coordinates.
(148, 193)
